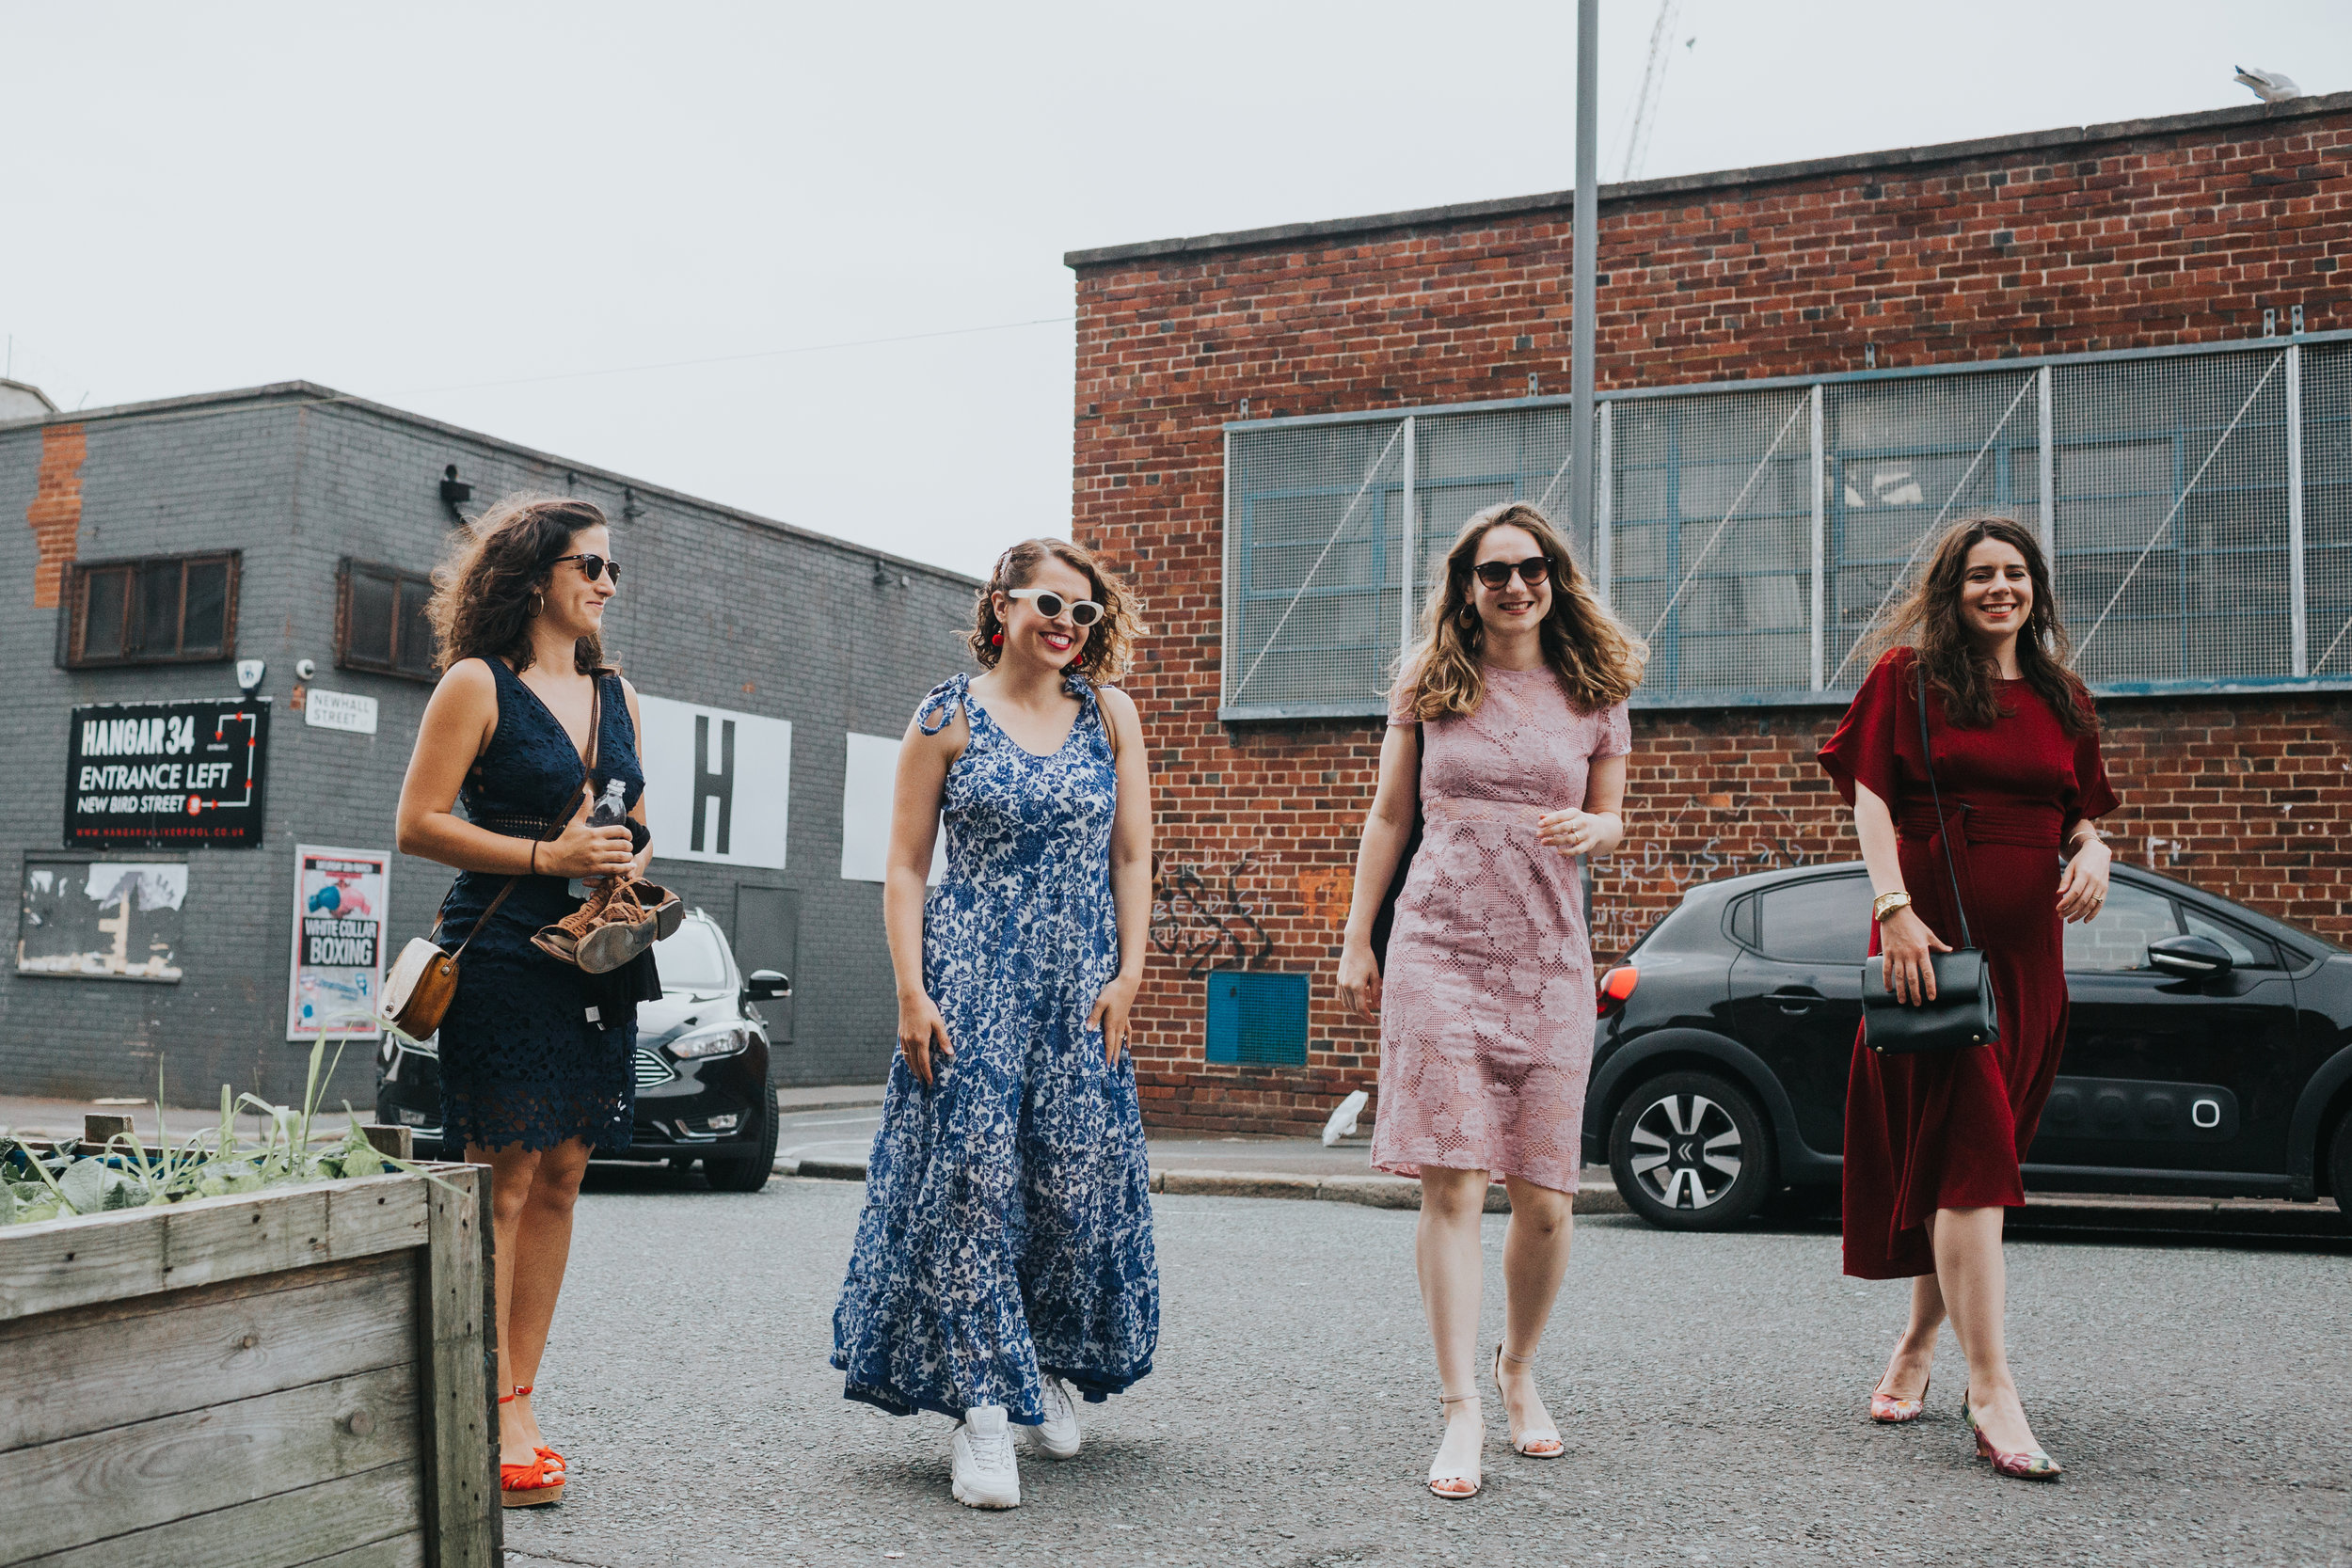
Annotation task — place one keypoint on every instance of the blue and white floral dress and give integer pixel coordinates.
(1007, 1224)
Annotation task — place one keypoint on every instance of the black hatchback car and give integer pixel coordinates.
(2209, 1049)
(702, 1068)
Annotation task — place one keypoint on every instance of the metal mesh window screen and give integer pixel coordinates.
(1902, 458)
(1466, 463)
(2173, 482)
(1711, 554)
(1313, 567)
(2171, 528)
(2327, 508)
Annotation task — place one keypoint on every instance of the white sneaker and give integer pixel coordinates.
(1058, 1434)
(983, 1469)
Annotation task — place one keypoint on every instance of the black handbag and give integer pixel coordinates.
(1965, 1013)
(1384, 921)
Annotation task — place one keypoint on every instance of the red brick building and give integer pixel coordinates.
(2136, 334)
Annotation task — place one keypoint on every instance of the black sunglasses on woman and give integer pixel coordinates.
(1497, 573)
(592, 566)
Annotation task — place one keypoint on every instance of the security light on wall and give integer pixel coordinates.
(455, 490)
(250, 674)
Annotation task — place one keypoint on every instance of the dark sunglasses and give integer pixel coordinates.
(1497, 573)
(592, 566)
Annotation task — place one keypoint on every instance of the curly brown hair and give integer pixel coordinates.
(1597, 660)
(1111, 642)
(1928, 620)
(497, 566)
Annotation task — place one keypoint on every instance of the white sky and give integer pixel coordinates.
(473, 210)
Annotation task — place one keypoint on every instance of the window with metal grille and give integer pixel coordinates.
(380, 622)
(158, 609)
(2194, 501)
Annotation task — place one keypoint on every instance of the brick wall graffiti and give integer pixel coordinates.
(1199, 922)
(1703, 839)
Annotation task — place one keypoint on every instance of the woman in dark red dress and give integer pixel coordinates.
(1933, 1140)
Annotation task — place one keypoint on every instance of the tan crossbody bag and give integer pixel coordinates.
(425, 978)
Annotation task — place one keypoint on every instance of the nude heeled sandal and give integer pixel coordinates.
(1542, 1442)
(1454, 1486)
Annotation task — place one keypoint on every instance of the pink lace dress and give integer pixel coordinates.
(1487, 1005)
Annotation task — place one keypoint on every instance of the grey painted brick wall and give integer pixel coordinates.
(719, 609)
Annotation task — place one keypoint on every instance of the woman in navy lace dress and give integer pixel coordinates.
(534, 1054)
(1004, 1265)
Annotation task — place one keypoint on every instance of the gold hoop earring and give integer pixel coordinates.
(538, 604)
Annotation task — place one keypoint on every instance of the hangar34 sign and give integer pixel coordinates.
(143, 775)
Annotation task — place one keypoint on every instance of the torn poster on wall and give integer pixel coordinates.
(102, 920)
(337, 967)
(151, 775)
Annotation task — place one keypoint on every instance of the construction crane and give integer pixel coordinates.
(1653, 81)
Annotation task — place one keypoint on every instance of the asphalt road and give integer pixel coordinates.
(1710, 1390)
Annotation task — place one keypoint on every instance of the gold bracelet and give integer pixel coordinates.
(1887, 903)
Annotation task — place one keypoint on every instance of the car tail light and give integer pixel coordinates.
(1616, 987)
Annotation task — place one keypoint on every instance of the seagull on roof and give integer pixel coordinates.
(2269, 85)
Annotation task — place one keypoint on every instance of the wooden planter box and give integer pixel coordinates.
(299, 1376)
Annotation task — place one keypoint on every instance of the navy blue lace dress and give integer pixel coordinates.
(522, 1059)
(1008, 1223)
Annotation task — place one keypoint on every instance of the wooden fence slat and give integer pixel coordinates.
(403, 1551)
(60, 1263)
(106, 1484)
(270, 1232)
(279, 1532)
(462, 1519)
(204, 1240)
(63, 1374)
(376, 1213)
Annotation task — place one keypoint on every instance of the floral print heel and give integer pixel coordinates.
(2028, 1464)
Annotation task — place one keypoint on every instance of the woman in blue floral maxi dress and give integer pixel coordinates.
(1004, 1261)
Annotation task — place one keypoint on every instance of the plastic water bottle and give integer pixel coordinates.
(612, 807)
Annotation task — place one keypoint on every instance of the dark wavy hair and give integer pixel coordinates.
(1928, 622)
(1111, 642)
(485, 590)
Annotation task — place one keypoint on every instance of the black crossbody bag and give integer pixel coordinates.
(1963, 1012)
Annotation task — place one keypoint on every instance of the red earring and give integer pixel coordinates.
(998, 640)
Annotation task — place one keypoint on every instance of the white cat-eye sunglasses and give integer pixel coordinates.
(1083, 613)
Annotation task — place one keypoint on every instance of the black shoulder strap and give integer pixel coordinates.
(1942, 828)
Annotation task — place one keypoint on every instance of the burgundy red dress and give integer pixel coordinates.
(1946, 1130)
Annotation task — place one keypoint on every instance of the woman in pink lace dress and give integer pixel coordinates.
(1509, 727)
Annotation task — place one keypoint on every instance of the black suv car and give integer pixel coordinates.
(702, 1067)
(2209, 1049)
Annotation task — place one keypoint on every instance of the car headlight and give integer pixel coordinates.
(725, 1040)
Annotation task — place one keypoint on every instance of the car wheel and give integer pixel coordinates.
(1690, 1151)
(750, 1174)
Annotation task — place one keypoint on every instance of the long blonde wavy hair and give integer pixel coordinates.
(1597, 660)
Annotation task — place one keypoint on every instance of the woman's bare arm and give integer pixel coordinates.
(1904, 940)
(922, 783)
(1131, 870)
(1388, 827)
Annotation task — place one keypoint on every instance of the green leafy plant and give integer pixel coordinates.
(285, 1150)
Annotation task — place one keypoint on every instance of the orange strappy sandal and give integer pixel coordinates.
(555, 1460)
(528, 1485)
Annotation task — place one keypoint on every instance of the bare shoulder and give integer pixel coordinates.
(1120, 706)
(468, 684)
